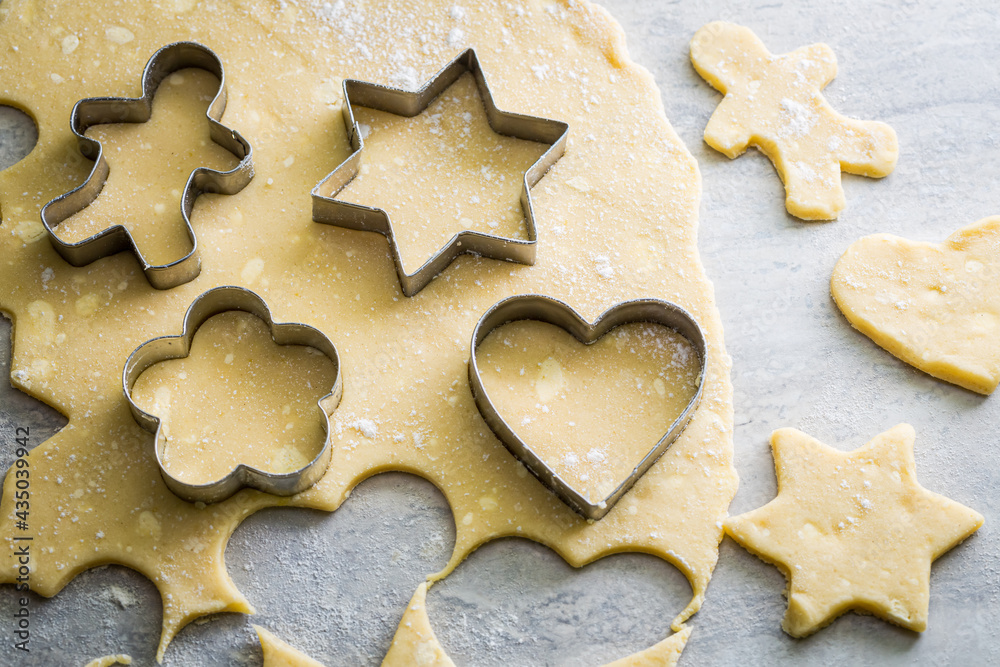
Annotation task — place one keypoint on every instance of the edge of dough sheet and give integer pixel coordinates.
(597, 27)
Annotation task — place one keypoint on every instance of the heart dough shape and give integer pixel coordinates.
(552, 311)
(936, 306)
(213, 302)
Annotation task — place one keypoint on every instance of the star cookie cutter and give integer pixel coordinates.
(546, 309)
(214, 302)
(330, 211)
(102, 110)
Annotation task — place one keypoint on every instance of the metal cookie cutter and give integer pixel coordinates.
(560, 314)
(330, 211)
(213, 302)
(102, 110)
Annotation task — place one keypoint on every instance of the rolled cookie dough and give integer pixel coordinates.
(617, 219)
(936, 306)
(852, 530)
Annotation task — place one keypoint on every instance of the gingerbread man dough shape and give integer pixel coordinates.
(774, 103)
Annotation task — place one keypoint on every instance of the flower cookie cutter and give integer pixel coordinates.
(330, 211)
(102, 110)
(546, 309)
(213, 302)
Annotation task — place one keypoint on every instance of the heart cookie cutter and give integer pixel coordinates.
(103, 110)
(330, 211)
(540, 308)
(214, 302)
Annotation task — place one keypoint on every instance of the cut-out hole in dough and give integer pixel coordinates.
(143, 194)
(515, 602)
(338, 595)
(238, 397)
(590, 424)
(404, 158)
(63, 629)
(18, 135)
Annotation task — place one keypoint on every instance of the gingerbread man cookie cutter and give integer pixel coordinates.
(214, 302)
(103, 110)
(541, 308)
(331, 211)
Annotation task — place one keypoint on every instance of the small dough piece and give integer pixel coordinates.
(109, 660)
(936, 306)
(774, 103)
(852, 530)
(415, 643)
(279, 654)
(665, 653)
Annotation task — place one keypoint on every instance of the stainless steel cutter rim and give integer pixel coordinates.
(103, 110)
(553, 311)
(213, 302)
(330, 211)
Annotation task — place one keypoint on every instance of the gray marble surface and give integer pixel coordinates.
(335, 584)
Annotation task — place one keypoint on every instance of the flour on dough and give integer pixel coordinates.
(774, 103)
(852, 530)
(936, 306)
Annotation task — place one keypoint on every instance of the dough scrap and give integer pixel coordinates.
(852, 530)
(617, 220)
(665, 653)
(237, 398)
(936, 306)
(415, 643)
(109, 660)
(774, 103)
(279, 654)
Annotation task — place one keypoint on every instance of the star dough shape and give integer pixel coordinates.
(852, 530)
(774, 103)
(936, 306)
